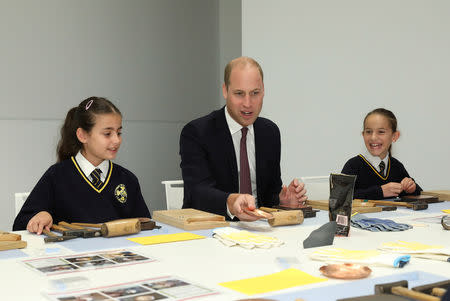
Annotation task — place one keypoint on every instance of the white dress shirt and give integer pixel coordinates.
(236, 135)
(375, 160)
(87, 168)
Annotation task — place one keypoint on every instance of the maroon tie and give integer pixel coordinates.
(245, 182)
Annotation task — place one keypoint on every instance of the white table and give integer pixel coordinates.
(208, 262)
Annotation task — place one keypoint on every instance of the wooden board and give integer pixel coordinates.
(443, 195)
(360, 207)
(6, 236)
(190, 219)
(9, 245)
(420, 198)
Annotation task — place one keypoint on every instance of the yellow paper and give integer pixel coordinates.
(159, 239)
(446, 211)
(410, 246)
(273, 282)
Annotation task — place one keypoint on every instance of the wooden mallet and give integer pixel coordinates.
(117, 227)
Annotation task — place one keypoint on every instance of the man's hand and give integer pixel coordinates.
(40, 221)
(293, 196)
(408, 185)
(391, 189)
(238, 202)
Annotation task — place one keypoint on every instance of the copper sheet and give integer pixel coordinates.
(345, 271)
(259, 213)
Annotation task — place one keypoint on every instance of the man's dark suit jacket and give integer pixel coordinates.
(209, 168)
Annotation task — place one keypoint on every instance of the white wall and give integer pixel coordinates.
(230, 36)
(327, 63)
(156, 59)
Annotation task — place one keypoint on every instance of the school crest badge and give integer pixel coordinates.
(121, 193)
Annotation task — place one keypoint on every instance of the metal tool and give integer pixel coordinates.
(400, 288)
(67, 231)
(52, 237)
(436, 289)
(445, 222)
(85, 232)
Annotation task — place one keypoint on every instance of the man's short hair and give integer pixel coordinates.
(240, 61)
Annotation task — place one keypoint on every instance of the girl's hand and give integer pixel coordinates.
(408, 185)
(40, 221)
(391, 189)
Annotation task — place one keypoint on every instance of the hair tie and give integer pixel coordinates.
(88, 105)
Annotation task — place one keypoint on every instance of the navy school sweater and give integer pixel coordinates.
(369, 181)
(68, 195)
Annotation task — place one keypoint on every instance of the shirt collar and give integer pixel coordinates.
(375, 160)
(87, 166)
(233, 126)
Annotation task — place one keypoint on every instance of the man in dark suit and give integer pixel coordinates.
(231, 157)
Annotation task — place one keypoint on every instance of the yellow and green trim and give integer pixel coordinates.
(375, 170)
(87, 180)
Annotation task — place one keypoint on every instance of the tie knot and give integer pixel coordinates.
(96, 173)
(96, 180)
(244, 131)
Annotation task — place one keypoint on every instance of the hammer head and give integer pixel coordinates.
(418, 205)
(385, 288)
(58, 238)
(66, 231)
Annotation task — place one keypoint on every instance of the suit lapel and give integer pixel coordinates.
(226, 142)
(259, 145)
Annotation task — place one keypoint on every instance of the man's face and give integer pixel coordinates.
(245, 94)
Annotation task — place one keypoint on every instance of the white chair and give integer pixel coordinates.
(317, 188)
(20, 198)
(174, 194)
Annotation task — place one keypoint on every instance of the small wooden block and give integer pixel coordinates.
(366, 209)
(190, 219)
(9, 245)
(420, 198)
(443, 195)
(358, 206)
(6, 236)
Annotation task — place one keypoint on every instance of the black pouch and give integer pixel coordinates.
(340, 204)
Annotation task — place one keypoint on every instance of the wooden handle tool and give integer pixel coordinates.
(400, 288)
(288, 217)
(146, 223)
(403, 291)
(88, 225)
(270, 210)
(121, 227)
(6, 236)
(438, 291)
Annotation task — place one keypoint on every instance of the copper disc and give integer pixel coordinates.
(345, 271)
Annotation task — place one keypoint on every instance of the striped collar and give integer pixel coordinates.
(376, 170)
(87, 167)
(85, 177)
